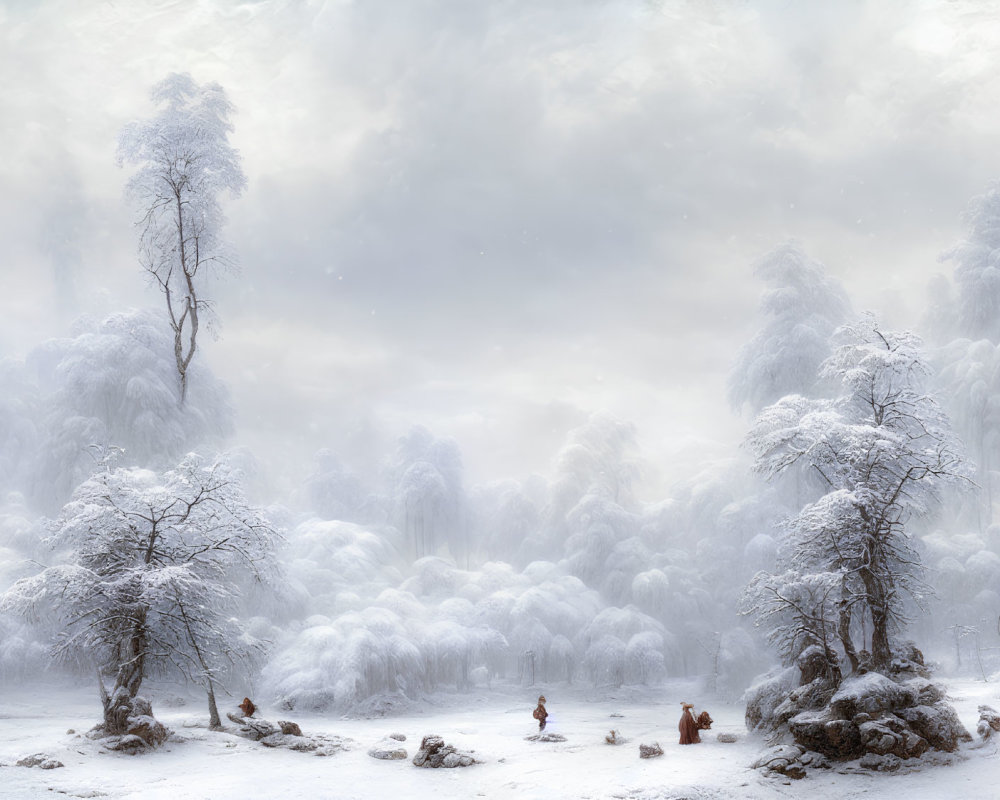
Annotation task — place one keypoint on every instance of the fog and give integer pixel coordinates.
(516, 242)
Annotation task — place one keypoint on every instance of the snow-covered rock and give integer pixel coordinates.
(287, 735)
(390, 748)
(650, 750)
(545, 737)
(870, 693)
(867, 715)
(40, 760)
(782, 759)
(435, 753)
(989, 722)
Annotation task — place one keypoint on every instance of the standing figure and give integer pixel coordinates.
(688, 726)
(247, 707)
(540, 713)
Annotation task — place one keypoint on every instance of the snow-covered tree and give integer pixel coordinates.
(331, 489)
(185, 163)
(19, 433)
(977, 267)
(504, 515)
(885, 451)
(425, 477)
(969, 376)
(148, 578)
(599, 458)
(111, 385)
(802, 306)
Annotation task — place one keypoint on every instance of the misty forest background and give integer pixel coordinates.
(392, 574)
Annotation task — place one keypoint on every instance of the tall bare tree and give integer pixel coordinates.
(185, 163)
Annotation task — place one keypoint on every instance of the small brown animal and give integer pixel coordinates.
(704, 721)
(247, 707)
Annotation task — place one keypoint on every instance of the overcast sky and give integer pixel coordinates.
(495, 217)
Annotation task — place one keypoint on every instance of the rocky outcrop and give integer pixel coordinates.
(287, 735)
(881, 722)
(134, 716)
(254, 729)
(435, 753)
(872, 715)
(40, 760)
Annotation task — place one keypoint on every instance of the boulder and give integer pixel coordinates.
(287, 735)
(255, 729)
(989, 722)
(871, 693)
(39, 760)
(765, 696)
(928, 693)
(782, 759)
(820, 732)
(296, 742)
(938, 724)
(880, 763)
(434, 753)
(388, 749)
(909, 661)
(815, 662)
(129, 725)
(810, 697)
(148, 729)
(650, 750)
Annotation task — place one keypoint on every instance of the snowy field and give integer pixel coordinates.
(197, 763)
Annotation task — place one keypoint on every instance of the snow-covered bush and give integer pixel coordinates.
(112, 388)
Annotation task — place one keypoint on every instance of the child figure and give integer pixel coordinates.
(540, 713)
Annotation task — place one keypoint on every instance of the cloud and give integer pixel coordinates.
(475, 213)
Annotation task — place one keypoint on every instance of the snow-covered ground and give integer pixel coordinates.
(197, 763)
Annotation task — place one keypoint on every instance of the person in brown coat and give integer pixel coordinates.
(247, 707)
(689, 726)
(540, 713)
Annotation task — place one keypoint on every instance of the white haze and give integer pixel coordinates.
(494, 219)
(503, 277)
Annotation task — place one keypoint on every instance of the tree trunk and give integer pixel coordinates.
(118, 706)
(844, 633)
(879, 610)
(132, 666)
(214, 723)
(881, 653)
